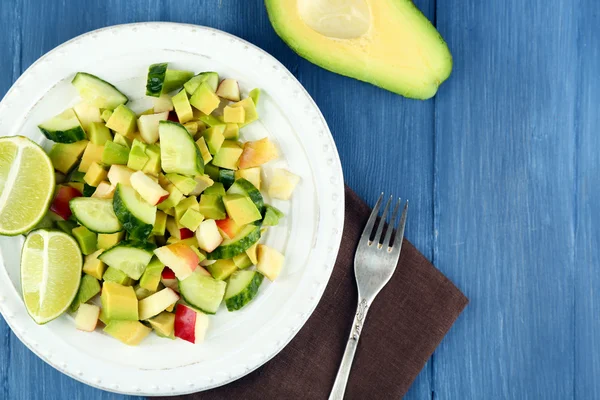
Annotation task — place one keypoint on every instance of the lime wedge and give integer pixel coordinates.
(26, 184)
(51, 265)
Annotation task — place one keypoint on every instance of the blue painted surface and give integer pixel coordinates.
(502, 170)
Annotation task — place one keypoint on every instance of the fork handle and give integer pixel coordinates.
(341, 380)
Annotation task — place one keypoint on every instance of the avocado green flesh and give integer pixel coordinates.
(401, 50)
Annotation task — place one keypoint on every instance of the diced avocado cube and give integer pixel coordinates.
(92, 153)
(99, 134)
(184, 205)
(108, 240)
(211, 206)
(183, 107)
(76, 176)
(64, 156)
(152, 274)
(205, 99)
(114, 275)
(95, 174)
(141, 293)
(137, 156)
(242, 261)
(250, 113)
(106, 115)
(191, 219)
(252, 175)
(241, 209)
(254, 95)
(217, 188)
(192, 127)
(122, 120)
(232, 131)
(152, 167)
(79, 186)
(130, 333)
(88, 288)
(222, 269)
(212, 171)
(228, 155)
(270, 262)
(115, 153)
(185, 184)
(175, 196)
(94, 267)
(87, 240)
(234, 115)
(164, 324)
(207, 119)
(122, 140)
(272, 216)
(119, 302)
(214, 138)
(160, 223)
(66, 226)
(206, 156)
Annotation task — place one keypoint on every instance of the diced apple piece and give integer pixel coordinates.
(148, 126)
(148, 189)
(229, 89)
(252, 175)
(87, 317)
(257, 153)
(168, 279)
(228, 227)
(156, 303)
(120, 174)
(202, 182)
(283, 184)
(104, 191)
(179, 257)
(270, 262)
(190, 325)
(208, 235)
(162, 103)
(60, 204)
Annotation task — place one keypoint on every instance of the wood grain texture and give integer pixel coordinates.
(501, 170)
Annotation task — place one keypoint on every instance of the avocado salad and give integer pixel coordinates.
(165, 206)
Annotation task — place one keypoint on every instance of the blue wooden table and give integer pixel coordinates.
(502, 170)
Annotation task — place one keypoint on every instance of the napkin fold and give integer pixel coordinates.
(406, 322)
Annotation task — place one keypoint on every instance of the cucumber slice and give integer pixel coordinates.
(129, 257)
(246, 188)
(178, 152)
(63, 128)
(95, 214)
(156, 79)
(230, 248)
(98, 92)
(202, 292)
(242, 287)
(211, 78)
(136, 215)
(227, 177)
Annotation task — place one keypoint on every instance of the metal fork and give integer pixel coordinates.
(374, 264)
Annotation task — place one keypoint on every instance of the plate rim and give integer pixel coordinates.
(335, 242)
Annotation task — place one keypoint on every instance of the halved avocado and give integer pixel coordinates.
(388, 43)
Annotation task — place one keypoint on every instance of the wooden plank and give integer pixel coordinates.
(504, 216)
(587, 209)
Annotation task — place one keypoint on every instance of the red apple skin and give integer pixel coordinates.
(184, 252)
(185, 233)
(185, 323)
(60, 204)
(168, 273)
(202, 271)
(228, 226)
(163, 198)
(173, 116)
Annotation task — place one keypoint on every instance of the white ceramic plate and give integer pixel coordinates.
(309, 236)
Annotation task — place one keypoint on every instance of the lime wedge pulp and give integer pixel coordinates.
(51, 264)
(26, 184)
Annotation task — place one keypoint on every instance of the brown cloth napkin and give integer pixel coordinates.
(406, 322)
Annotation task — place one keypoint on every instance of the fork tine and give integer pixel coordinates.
(372, 218)
(378, 235)
(392, 225)
(400, 232)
